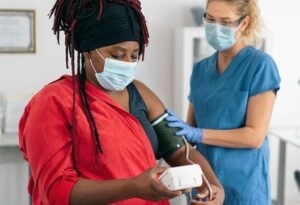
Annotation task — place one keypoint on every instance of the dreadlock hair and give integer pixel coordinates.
(67, 14)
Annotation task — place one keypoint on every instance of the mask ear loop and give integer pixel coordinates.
(100, 54)
(90, 60)
(209, 188)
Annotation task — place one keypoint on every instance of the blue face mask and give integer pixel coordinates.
(116, 74)
(220, 37)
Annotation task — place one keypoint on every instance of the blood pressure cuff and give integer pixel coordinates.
(168, 142)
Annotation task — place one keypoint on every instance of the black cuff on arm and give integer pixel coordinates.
(168, 142)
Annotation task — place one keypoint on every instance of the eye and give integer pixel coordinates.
(135, 57)
(117, 56)
(225, 23)
(210, 20)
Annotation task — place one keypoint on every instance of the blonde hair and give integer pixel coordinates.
(251, 36)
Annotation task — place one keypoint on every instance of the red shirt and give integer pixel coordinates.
(46, 142)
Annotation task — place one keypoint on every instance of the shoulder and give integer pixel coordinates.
(64, 83)
(260, 56)
(154, 106)
(263, 73)
(58, 90)
(204, 64)
(144, 90)
(201, 69)
(263, 62)
(52, 101)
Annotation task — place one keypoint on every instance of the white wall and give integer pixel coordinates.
(281, 17)
(32, 71)
(282, 21)
(163, 17)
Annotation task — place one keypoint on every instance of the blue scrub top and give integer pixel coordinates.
(220, 102)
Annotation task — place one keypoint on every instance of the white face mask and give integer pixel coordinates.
(116, 74)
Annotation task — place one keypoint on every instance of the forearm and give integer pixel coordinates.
(245, 137)
(258, 116)
(197, 158)
(101, 192)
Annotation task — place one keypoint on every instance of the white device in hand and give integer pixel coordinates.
(182, 177)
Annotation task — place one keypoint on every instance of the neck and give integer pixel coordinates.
(225, 57)
(229, 54)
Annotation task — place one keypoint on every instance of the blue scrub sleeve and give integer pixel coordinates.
(266, 77)
(195, 69)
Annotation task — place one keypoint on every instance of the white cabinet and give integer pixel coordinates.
(190, 47)
(14, 174)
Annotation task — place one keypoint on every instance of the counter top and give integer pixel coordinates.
(9, 140)
(289, 135)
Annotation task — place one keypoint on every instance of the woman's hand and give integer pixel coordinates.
(203, 197)
(148, 187)
(192, 134)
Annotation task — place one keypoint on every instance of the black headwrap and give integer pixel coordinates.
(118, 23)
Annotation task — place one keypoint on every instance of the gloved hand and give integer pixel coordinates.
(192, 134)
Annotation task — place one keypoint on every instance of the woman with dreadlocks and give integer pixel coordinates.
(88, 137)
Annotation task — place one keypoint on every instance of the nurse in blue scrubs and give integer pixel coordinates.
(232, 94)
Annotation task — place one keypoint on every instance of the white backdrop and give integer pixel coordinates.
(281, 17)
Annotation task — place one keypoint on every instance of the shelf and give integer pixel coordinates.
(9, 140)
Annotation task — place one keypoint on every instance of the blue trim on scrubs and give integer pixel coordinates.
(220, 102)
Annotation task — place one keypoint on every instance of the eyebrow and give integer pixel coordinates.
(123, 49)
(224, 18)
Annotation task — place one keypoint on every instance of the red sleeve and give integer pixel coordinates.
(46, 142)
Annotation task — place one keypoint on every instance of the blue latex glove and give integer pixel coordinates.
(192, 134)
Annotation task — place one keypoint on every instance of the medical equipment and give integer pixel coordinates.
(168, 141)
(182, 177)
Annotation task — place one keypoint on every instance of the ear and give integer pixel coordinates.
(244, 24)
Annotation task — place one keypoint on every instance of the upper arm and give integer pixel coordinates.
(154, 106)
(168, 143)
(259, 112)
(47, 143)
(264, 86)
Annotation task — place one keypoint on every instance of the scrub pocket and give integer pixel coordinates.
(209, 112)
